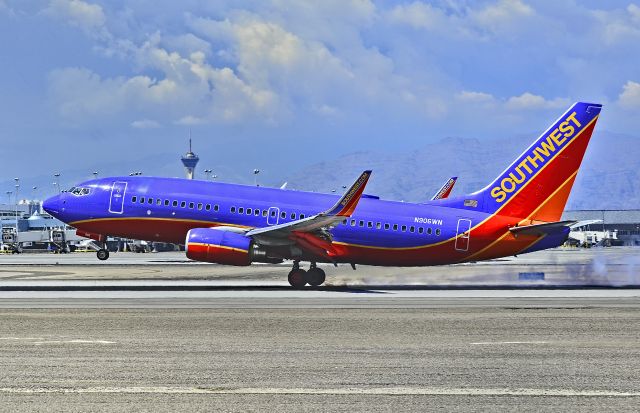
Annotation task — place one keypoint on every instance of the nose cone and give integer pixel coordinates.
(52, 205)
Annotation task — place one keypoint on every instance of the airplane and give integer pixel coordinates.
(518, 212)
(446, 189)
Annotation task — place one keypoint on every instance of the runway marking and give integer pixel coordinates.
(391, 391)
(488, 343)
(38, 343)
(42, 340)
(22, 338)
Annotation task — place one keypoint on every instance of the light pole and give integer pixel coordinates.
(95, 174)
(214, 177)
(255, 175)
(17, 189)
(207, 173)
(1, 221)
(57, 181)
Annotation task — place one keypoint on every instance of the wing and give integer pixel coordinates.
(317, 223)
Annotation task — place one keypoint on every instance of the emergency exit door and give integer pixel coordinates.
(463, 233)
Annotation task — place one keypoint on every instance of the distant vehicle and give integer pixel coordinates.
(518, 212)
(446, 189)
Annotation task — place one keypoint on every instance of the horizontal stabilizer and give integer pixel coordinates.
(584, 223)
(541, 229)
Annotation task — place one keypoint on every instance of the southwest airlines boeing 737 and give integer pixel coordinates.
(516, 213)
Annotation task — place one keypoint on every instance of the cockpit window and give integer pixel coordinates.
(78, 191)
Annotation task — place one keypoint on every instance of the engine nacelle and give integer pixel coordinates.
(224, 247)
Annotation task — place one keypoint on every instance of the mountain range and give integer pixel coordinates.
(608, 179)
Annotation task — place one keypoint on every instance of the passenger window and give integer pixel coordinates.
(344, 221)
(199, 206)
(166, 202)
(428, 231)
(249, 211)
(233, 210)
(361, 223)
(273, 213)
(386, 226)
(369, 224)
(293, 215)
(207, 207)
(142, 200)
(283, 215)
(134, 198)
(438, 231)
(175, 203)
(240, 210)
(353, 222)
(256, 212)
(378, 225)
(412, 229)
(150, 201)
(191, 205)
(404, 228)
(216, 208)
(183, 204)
(264, 212)
(301, 216)
(158, 201)
(395, 227)
(420, 230)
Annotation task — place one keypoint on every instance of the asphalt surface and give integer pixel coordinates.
(328, 359)
(207, 338)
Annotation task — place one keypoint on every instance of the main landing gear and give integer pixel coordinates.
(298, 277)
(103, 253)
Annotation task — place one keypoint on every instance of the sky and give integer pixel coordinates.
(282, 84)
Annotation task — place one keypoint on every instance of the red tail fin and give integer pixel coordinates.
(536, 186)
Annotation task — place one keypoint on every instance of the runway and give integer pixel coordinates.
(182, 337)
(321, 359)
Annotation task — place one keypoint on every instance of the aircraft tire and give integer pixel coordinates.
(298, 278)
(102, 254)
(316, 276)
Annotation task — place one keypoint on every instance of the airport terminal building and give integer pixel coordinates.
(624, 223)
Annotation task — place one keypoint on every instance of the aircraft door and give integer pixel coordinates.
(116, 201)
(463, 233)
(273, 215)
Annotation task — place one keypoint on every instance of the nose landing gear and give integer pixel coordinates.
(298, 277)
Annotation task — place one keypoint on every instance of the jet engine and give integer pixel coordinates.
(224, 247)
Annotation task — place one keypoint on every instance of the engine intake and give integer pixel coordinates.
(224, 247)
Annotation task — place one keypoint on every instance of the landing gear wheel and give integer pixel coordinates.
(102, 254)
(298, 278)
(315, 276)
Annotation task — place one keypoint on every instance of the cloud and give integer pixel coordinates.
(474, 97)
(528, 101)
(89, 17)
(190, 121)
(630, 96)
(4, 8)
(418, 15)
(145, 124)
(505, 13)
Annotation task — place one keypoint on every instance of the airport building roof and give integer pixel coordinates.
(609, 216)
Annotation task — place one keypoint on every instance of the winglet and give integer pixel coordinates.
(347, 204)
(445, 191)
